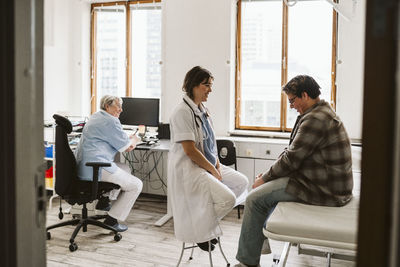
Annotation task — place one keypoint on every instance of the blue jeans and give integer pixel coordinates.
(260, 203)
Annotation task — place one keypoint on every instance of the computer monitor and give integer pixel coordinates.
(140, 111)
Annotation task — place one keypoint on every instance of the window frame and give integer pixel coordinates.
(283, 110)
(128, 67)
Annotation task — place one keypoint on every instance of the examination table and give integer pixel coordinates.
(326, 227)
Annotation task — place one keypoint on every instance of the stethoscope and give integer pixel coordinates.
(205, 134)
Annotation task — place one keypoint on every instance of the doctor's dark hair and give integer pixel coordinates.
(300, 84)
(195, 77)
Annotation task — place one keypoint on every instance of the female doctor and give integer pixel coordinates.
(202, 190)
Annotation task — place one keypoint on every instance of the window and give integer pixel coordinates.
(110, 52)
(146, 52)
(274, 44)
(126, 50)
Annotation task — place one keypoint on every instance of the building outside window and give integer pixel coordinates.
(126, 50)
(276, 43)
(110, 52)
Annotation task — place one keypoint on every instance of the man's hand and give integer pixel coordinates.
(259, 181)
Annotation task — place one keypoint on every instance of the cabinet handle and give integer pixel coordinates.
(268, 152)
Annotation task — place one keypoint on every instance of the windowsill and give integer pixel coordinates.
(264, 134)
(277, 135)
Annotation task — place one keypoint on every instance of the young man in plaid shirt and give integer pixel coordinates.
(314, 169)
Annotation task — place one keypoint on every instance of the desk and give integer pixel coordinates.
(144, 167)
(162, 146)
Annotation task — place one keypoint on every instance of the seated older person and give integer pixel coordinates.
(102, 137)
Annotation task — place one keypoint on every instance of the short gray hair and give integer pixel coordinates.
(108, 100)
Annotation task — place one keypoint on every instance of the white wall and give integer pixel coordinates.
(350, 70)
(195, 32)
(66, 57)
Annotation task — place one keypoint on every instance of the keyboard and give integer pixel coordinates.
(140, 143)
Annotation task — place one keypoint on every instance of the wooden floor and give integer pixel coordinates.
(147, 245)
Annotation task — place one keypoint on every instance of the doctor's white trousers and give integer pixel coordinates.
(224, 194)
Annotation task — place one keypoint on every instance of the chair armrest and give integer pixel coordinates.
(96, 166)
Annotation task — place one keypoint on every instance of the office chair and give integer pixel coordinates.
(227, 156)
(73, 190)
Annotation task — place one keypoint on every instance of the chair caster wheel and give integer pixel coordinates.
(275, 259)
(73, 247)
(48, 235)
(117, 237)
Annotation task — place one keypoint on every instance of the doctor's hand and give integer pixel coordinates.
(259, 181)
(218, 167)
(217, 174)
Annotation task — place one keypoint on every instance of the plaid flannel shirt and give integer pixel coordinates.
(318, 159)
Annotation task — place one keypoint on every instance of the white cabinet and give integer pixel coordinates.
(261, 150)
(252, 167)
(262, 165)
(246, 166)
(255, 156)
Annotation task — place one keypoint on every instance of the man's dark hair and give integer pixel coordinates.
(300, 84)
(195, 77)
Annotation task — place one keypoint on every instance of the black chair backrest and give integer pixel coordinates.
(226, 152)
(66, 169)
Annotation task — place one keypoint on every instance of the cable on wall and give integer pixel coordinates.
(335, 6)
(339, 10)
(290, 3)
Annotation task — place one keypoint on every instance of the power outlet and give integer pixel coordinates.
(249, 152)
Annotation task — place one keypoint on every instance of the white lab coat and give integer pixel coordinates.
(192, 206)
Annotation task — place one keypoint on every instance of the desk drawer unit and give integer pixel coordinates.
(259, 150)
(256, 157)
